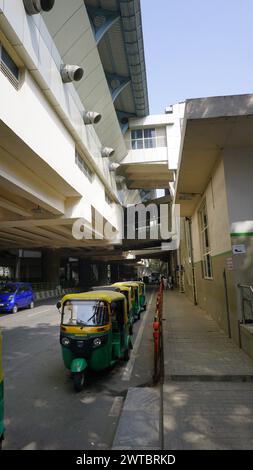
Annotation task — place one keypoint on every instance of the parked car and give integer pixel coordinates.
(15, 295)
(155, 278)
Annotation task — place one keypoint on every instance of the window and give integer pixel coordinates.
(85, 312)
(205, 243)
(148, 138)
(9, 68)
(83, 167)
(143, 138)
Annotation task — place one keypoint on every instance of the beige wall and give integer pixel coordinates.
(238, 164)
(211, 293)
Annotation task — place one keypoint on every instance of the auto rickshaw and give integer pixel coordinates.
(94, 332)
(142, 293)
(126, 291)
(1, 395)
(136, 296)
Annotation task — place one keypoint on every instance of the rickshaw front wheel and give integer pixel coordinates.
(78, 379)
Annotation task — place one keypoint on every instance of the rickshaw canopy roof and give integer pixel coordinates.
(130, 283)
(121, 285)
(105, 295)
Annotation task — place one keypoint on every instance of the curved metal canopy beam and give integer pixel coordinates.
(123, 117)
(101, 21)
(117, 84)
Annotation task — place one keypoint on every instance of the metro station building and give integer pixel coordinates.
(77, 142)
(74, 147)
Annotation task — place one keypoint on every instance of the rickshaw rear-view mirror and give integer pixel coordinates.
(58, 305)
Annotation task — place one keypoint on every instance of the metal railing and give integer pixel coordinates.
(158, 336)
(246, 302)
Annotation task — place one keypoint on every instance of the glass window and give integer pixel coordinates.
(148, 133)
(205, 243)
(83, 167)
(7, 60)
(85, 312)
(143, 138)
(149, 143)
(136, 134)
(7, 289)
(137, 144)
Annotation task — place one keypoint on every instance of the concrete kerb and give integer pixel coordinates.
(58, 292)
(140, 425)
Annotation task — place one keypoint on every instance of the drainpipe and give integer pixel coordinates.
(189, 220)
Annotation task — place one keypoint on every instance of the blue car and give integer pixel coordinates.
(15, 295)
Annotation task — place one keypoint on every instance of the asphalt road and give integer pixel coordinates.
(41, 409)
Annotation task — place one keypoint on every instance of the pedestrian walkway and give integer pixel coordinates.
(208, 385)
(207, 396)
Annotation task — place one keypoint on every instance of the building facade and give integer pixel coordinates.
(214, 192)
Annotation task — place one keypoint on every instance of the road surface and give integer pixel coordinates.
(41, 409)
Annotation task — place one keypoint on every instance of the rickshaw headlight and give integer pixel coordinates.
(97, 342)
(65, 341)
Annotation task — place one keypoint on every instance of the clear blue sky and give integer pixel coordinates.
(197, 48)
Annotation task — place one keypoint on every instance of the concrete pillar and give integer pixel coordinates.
(115, 273)
(102, 273)
(51, 266)
(86, 278)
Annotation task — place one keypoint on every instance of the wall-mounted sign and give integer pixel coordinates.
(238, 249)
(230, 264)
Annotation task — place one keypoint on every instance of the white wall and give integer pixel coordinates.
(218, 219)
(238, 164)
(171, 123)
(48, 115)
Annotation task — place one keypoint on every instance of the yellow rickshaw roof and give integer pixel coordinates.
(130, 283)
(121, 284)
(106, 295)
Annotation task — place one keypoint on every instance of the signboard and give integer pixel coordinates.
(238, 249)
(230, 264)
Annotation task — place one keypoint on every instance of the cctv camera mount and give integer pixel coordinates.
(71, 73)
(33, 7)
(91, 117)
(107, 152)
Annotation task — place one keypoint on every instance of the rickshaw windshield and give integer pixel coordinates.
(85, 312)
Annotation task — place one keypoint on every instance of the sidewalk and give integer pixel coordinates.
(208, 385)
(206, 401)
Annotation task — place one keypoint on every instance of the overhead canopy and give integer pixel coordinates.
(147, 175)
(210, 125)
(118, 31)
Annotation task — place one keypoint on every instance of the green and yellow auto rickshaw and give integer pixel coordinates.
(136, 297)
(94, 332)
(127, 292)
(142, 294)
(1, 394)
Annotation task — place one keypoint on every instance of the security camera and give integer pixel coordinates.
(113, 166)
(107, 152)
(120, 179)
(33, 7)
(71, 73)
(91, 117)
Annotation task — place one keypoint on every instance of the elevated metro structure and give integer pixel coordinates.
(73, 92)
